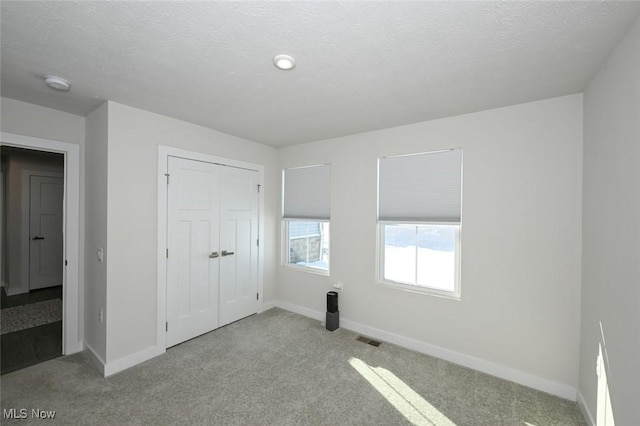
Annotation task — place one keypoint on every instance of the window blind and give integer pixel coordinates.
(421, 187)
(307, 192)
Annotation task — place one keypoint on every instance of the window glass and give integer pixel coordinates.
(308, 244)
(437, 256)
(422, 255)
(400, 253)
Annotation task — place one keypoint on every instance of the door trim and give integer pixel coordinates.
(71, 312)
(26, 215)
(164, 152)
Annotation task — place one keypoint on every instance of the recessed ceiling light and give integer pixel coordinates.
(57, 83)
(284, 62)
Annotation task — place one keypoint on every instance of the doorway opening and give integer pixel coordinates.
(39, 250)
(31, 299)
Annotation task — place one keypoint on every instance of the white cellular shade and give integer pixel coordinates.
(307, 192)
(422, 187)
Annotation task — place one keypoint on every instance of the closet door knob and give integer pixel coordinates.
(37, 238)
(227, 253)
(213, 255)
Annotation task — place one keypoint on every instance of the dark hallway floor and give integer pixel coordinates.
(22, 346)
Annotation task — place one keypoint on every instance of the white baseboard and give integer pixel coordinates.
(129, 361)
(497, 370)
(95, 358)
(108, 369)
(268, 305)
(306, 312)
(584, 408)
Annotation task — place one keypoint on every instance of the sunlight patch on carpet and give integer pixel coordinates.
(407, 401)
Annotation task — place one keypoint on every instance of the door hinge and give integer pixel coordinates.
(259, 188)
(166, 326)
(167, 175)
(167, 253)
(258, 242)
(257, 296)
(65, 262)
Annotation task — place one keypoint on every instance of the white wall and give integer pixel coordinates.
(95, 297)
(32, 120)
(521, 239)
(611, 230)
(133, 139)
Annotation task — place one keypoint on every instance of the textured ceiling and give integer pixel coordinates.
(361, 65)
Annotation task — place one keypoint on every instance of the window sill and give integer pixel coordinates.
(427, 291)
(315, 271)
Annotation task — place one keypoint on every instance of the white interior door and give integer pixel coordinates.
(46, 197)
(193, 244)
(239, 244)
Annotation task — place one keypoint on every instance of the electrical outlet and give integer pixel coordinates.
(101, 316)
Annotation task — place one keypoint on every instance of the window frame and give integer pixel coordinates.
(285, 247)
(416, 288)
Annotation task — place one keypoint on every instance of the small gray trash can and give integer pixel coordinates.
(333, 314)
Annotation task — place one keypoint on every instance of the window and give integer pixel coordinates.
(306, 215)
(419, 210)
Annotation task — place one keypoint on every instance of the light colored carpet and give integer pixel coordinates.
(279, 368)
(30, 315)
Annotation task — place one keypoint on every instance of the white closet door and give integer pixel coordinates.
(193, 243)
(238, 244)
